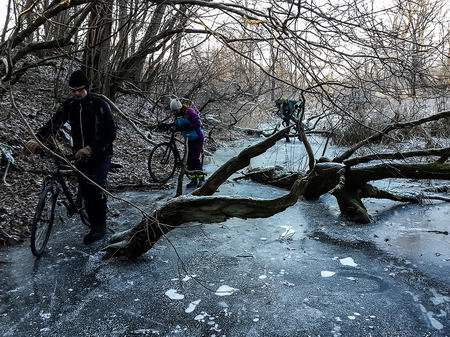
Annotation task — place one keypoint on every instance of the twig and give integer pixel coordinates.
(124, 116)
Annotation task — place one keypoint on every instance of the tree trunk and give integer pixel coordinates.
(98, 46)
(7, 19)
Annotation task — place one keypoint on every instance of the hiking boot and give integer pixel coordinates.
(94, 235)
(193, 183)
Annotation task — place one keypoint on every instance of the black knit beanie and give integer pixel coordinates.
(78, 79)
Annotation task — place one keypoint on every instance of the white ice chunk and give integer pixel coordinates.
(192, 306)
(326, 273)
(438, 298)
(287, 234)
(201, 316)
(225, 290)
(262, 277)
(434, 322)
(173, 295)
(348, 261)
(145, 332)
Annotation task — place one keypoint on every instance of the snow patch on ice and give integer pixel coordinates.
(434, 322)
(286, 283)
(438, 298)
(173, 295)
(327, 273)
(287, 234)
(336, 331)
(192, 306)
(201, 317)
(225, 290)
(145, 332)
(348, 261)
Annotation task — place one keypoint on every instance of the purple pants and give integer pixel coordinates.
(195, 149)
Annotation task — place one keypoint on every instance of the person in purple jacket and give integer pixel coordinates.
(188, 122)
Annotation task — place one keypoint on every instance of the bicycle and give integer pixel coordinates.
(165, 158)
(44, 215)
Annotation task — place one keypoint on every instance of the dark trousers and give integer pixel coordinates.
(195, 149)
(285, 123)
(94, 199)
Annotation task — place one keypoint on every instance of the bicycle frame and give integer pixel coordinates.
(70, 203)
(173, 143)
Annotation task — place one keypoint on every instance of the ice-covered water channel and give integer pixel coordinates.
(302, 272)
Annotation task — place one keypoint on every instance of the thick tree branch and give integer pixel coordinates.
(395, 126)
(198, 209)
(397, 155)
(403, 171)
(239, 162)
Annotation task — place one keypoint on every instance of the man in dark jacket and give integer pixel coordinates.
(288, 110)
(93, 132)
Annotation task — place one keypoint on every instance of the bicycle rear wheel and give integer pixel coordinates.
(43, 219)
(162, 163)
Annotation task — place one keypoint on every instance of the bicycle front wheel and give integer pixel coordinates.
(161, 163)
(43, 219)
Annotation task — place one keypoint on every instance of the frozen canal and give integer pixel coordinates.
(302, 272)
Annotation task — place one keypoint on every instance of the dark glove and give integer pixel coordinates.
(162, 127)
(83, 154)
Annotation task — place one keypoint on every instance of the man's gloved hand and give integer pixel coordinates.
(83, 153)
(33, 147)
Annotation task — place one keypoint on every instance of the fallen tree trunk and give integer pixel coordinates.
(350, 185)
(210, 209)
(323, 178)
(402, 171)
(274, 176)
